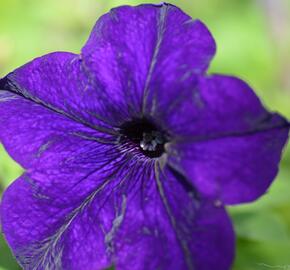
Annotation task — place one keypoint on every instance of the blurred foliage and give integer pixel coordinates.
(253, 40)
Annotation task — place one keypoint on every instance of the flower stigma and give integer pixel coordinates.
(145, 135)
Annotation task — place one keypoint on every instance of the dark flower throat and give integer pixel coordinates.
(145, 135)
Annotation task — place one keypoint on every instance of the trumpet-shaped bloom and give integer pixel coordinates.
(131, 151)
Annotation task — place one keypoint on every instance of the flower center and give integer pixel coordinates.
(145, 135)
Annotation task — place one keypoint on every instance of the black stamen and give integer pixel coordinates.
(145, 135)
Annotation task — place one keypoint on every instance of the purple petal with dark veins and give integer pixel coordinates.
(228, 144)
(59, 82)
(139, 54)
(38, 230)
(32, 133)
(132, 221)
(216, 106)
(89, 199)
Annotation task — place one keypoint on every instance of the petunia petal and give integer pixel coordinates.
(233, 169)
(36, 229)
(217, 106)
(172, 216)
(59, 82)
(28, 130)
(227, 143)
(132, 222)
(63, 155)
(55, 218)
(125, 67)
(137, 54)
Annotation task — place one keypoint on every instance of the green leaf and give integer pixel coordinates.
(264, 226)
(7, 261)
(9, 169)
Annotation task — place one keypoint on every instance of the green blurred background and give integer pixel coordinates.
(253, 39)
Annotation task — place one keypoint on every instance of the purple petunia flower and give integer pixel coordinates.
(131, 151)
